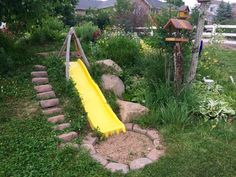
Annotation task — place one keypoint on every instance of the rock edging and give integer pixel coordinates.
(154, 154)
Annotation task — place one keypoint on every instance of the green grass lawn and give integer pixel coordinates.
(28, 147)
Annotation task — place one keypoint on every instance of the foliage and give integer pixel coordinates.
(121, 47)
(224, 12)
(12, 54)
(123, 6)
(194, 15)
(50, 30)
(129, 15)
(101, 18)
(22, 15)
(213, 102)
(85, 31)
(177, 3)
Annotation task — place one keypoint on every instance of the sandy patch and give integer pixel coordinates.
(124, 148)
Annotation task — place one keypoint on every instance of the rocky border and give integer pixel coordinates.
(154, 155)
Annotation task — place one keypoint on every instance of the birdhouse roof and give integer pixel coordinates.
(178, 24)
(184, 8)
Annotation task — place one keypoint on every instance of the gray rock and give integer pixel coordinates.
(100, 159)
(138, 129)
(130, 111)
(155, 154)
(109, 66)
(139, 163)
(115, 167)
(153, 134)
(89, 148)
(113, 83)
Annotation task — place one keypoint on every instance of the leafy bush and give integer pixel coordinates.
(12, 54)
(213, 102)
(85, 31)
(121, 47)
(50, 30)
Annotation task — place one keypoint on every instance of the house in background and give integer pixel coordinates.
(84, 5)
(212, 11)
(233, 10)
(146, 6)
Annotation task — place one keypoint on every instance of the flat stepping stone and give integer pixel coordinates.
(40, 80)
(66, 137)
(155, 154)
(39, 74)
(46, 95)
(61, 126)
(89, 139)
(99, 159)
(115, 167)
(56, 119)
(49, 103)
(139, 163)
(39, 68)
(138, 129)
(153, 134)
(129, 126)
(89, 148)
(51, 111)
(43, 88)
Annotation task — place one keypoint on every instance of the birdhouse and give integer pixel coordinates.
(183, 12)
(175, 27)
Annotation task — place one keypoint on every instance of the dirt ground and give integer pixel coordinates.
(124, 148)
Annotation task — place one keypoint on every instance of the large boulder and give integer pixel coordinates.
(113, 83)
(130, 111)
(109, 66)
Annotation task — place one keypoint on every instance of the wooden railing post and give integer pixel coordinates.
(68, 57)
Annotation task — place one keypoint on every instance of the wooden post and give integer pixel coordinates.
(68, 57)
(178, 65)
(198, 38)
(78, 45)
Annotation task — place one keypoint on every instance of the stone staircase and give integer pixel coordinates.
(50, 105)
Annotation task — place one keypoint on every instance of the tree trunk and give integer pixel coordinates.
(198, 38)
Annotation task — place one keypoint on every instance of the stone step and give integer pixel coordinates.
(52, 111)
(61, 126)
(39, 74)
(49, 103)
(39, 68)
(46, 95)
(56, 119)
(40, 80)
(43, 88)
(66, 137)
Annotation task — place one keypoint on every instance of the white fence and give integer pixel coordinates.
(211, 31)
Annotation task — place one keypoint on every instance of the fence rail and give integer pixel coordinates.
(213, 30)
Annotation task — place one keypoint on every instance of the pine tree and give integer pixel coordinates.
(221, 13)
(228, 11)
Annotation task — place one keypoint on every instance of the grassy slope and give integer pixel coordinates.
(28, 147)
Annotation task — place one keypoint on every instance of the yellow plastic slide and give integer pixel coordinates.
(100, 114)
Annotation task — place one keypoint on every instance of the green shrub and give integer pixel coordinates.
(12, 54)
(49, 31)
(121, 47)
(85, 31)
